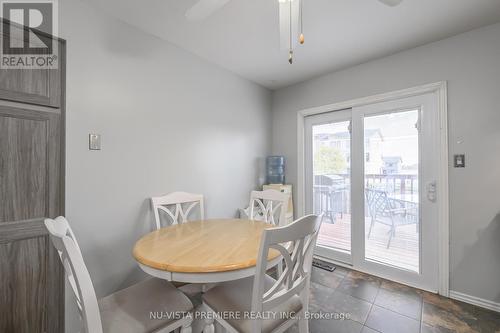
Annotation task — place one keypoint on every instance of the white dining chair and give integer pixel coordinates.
(262, 304)
(269, 202)
(178, 206)
(129, 310)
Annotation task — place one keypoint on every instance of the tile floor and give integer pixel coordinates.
(377, 305)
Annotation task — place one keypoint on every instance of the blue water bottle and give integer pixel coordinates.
(275, 166)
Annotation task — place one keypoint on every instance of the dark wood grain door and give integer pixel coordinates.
(31, 188)
(35, 86)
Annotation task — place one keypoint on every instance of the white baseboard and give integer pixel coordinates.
(483, 303)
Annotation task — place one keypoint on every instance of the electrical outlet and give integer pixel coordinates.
(94, 141)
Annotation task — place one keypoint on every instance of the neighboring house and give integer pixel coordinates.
(392, 165)
(342, 141)
(373, 151)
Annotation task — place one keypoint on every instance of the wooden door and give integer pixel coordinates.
(35, 86)
(31, 188)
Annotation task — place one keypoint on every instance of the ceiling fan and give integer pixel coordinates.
(290, 18)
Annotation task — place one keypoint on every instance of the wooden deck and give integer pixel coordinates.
(402, 253)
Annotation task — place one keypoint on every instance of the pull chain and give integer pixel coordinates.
(301, 37)
(290, 53)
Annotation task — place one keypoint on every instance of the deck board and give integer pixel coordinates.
(403, 251)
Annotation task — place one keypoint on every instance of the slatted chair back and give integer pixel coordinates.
(177, 207)
(378, 203)
(299, 236)
(58, 228)
(272, 203)
(76, 272)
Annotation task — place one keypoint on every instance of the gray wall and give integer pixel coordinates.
(471, 64)
(169, 121)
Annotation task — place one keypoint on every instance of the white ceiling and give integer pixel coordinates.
(243, 36)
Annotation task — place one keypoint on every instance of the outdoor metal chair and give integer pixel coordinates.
(391, 212)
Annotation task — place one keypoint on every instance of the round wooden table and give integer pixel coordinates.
(206, 251)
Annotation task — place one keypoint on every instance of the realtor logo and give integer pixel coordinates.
(27, 34)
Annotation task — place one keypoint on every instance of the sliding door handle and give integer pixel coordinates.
(431, 191)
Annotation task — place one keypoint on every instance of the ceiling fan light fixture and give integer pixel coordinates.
(290, 19)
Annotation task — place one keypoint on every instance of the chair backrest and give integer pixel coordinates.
(90, 308)
(76, 272)
(269, 202)
(377, 201)
(296, 243)
(177, 206)
(58, 228)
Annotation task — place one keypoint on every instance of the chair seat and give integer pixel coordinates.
(129, 310)
(237, 296)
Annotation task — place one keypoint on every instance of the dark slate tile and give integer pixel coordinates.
(360, 285)
(488, 321)
(325, 278)
(452, 319)
(318, 298)
(445, 313)
(403, 302)
(293, 329)
(355, 308)
(430, 329)
(341, 271)
(456, 307)
(330, 326)
(334, 325)
(366, 329)
(386, 321)
(401, 288)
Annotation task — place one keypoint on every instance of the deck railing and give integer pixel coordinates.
(334, 194)
(399, 183)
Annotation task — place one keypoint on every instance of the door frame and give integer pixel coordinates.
(440, 90)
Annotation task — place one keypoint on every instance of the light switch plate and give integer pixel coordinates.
(94, 141)
(459, 161)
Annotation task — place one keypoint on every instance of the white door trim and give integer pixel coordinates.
(440, 88)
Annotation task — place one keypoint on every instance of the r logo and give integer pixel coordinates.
(37, 18)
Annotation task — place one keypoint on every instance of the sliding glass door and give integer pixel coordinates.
(372, 172)
(329, 181)
(391, 190)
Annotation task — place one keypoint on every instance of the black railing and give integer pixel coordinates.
(332, 193)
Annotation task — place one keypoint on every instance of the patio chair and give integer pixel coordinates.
(390, 212)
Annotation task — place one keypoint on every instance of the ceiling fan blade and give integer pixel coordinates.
(391, 3)
(204, 8)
